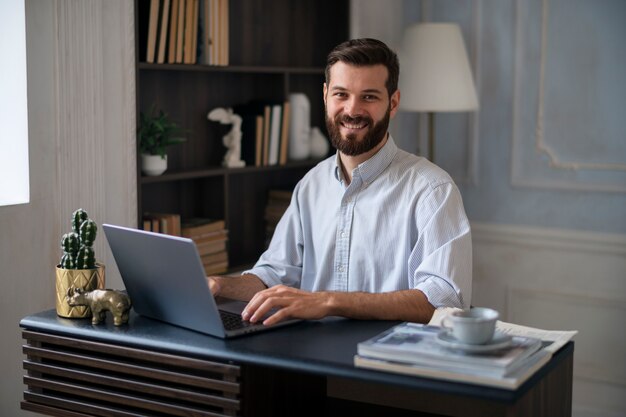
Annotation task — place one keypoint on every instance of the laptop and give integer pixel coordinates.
(165, 280)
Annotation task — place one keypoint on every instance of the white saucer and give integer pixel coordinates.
(499, 341)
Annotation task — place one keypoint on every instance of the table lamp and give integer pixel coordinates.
(436, 75)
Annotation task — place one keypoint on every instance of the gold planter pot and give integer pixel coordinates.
(87, 279)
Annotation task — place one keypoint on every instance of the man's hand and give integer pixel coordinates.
(404, 305)
(214, 285)
(289, 303)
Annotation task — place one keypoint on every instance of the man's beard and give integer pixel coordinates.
(350, 145)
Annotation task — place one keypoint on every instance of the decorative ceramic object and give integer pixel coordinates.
(78, 268)
(299, 127)
(153, 165)
(84, 279)
(319, 143)
(101, 301)
(232, 140)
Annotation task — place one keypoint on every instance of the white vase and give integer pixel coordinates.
(153, 165)
(319, 144)
(299, 127)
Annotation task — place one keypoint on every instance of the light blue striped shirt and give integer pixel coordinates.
(400, 224)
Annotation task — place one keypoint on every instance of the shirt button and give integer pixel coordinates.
(341, 269)
(343, 234)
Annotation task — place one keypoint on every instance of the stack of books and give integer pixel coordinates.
(423, 350)
(277, 203)
(168, 223)
(265, 132)
(210, 237)
(184, 31)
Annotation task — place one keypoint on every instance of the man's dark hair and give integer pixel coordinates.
(366, 52)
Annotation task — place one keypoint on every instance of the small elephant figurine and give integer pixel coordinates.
(99, 301)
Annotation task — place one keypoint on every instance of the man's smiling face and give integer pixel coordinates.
(358, 107)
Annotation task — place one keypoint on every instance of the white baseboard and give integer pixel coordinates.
(562, 280)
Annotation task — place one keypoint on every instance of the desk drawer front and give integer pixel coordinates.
(72, 377)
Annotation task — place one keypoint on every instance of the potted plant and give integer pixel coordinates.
(155, 133)
(78, 268)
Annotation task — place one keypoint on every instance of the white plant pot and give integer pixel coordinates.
(153, 165)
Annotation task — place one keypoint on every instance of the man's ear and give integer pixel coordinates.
(394, 103)
(324, 91)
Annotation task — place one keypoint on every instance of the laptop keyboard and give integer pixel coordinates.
(234, 321)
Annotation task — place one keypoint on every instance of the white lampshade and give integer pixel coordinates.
(435, 75)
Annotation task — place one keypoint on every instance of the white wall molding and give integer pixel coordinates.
(542, 146)
(547, 238)
(562, 280)
(536, 159)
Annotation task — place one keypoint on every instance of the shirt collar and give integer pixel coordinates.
(370, 169)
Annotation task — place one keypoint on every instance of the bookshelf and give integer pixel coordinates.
(276, 47)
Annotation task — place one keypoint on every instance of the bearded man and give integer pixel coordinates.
(372, 232)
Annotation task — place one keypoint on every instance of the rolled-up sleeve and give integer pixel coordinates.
(440, 264)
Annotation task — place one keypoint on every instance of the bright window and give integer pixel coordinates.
(14, 179)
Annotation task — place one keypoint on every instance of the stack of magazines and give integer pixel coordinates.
(427, 351)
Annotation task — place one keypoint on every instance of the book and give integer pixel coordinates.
(224, 28)
(511, 381)
(214, 15)
(258, 160)
(210, 237)
(194, 33)
(180, 28)
(204, 28)
(274, 136)
(171, 42)
(165, 16)
(284, 134)
(211, 246)
(417, 344)
(216, 268)
(153, 26)
(267, 121)
(214, 258)
(197, 227)
(168, 223)
(190, 22)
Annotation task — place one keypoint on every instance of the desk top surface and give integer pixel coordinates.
(324, 347)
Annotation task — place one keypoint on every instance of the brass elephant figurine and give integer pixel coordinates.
(99, 301)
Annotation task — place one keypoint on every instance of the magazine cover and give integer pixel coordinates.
(422, 345)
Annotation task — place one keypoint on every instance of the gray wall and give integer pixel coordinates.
(81, 151)
(492, 154)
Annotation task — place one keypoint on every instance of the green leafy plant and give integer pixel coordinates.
(156, 132)
(77, 245)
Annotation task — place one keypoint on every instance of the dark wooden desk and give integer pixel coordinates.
(151, 368)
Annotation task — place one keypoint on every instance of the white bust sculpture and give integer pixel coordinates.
(232, 140)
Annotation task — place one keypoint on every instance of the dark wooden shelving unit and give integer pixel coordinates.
(276, 47)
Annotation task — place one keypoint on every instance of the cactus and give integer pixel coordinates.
(78, 217)
(77, 247)
(88, 230)
(86, 258)
(67, 261)
(70, 242)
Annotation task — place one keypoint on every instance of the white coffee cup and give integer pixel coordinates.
(475, 326)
